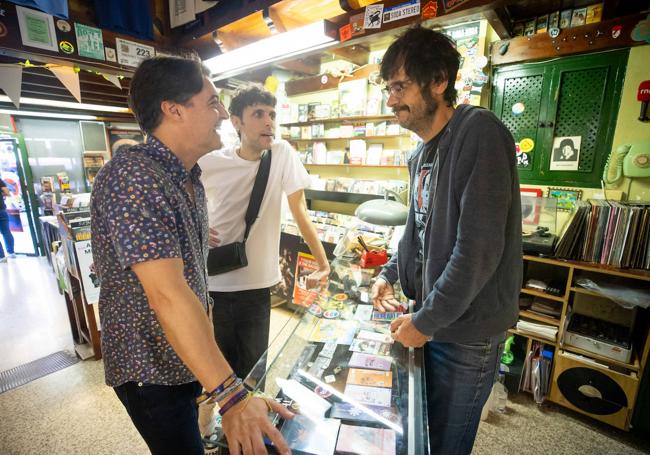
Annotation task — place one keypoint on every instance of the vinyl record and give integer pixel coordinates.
(592, 391)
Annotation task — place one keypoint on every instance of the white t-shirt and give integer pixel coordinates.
(228, 181)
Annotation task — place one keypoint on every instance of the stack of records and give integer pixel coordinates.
(608, 232)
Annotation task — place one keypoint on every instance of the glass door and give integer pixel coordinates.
(19, 209)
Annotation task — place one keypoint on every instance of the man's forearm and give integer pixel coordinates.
(308, 232)
(188, 329)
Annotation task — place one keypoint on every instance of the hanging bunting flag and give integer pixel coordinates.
(69, 78)
(11, 78)
(58, 8)
(114, 79)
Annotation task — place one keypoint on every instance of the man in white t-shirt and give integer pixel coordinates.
(242, 297)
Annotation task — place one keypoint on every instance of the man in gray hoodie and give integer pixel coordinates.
(460, 255)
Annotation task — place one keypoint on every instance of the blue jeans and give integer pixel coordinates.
(6, 234)
(166, 416)
(459, 378)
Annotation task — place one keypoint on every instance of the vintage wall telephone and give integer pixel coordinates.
(629, 161)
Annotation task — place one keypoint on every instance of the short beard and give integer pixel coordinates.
(430, 103)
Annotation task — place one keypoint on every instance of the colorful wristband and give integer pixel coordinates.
(237, 397)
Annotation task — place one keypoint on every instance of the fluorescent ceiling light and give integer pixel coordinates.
(69, 105)
(47, 114)
(281, 46)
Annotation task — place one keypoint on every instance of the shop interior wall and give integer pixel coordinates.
(628, 128)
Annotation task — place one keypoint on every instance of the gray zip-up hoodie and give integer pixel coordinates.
(472, 270)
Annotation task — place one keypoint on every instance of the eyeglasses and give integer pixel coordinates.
(397, 88)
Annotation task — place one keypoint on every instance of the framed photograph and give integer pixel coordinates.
(37, 29)
(530, 210)
(566, 197)
(566, 153)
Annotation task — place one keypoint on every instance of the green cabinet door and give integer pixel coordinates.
(571, 97)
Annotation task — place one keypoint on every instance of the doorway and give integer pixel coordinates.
(19, 208)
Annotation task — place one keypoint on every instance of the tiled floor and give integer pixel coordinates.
(73, 412)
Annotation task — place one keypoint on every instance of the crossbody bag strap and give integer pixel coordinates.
(259, 187)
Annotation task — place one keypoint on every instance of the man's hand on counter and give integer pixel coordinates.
(318, 278)
(383, 296)
(404, 332)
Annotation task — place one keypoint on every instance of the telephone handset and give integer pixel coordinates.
(629, 161)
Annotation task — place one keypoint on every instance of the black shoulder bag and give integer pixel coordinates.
(232, 256)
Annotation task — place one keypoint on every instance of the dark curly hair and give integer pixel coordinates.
(161, 79)
(250, 96)
(427, 56)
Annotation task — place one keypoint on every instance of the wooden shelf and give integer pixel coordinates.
(542, 294)
(588, 292)
(356, 165)
(598, 268)
(356, 119)
(321, 139)
(634, 366)
(532, 336)
(539, 317)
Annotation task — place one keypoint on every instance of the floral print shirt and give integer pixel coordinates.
(140, 211)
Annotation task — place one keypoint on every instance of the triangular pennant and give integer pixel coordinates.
(11, 78)
(69, 78)
(114, 79)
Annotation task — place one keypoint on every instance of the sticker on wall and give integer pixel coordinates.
(641, 31)
(452, 4)
(372, 18)
(66, 47)
(110, 54)
(616, 31)
(345, 32)
(64, 26)
(522, 158)
(480, 62)
(429, 10)
(518, 108)
(527, 145)
(402, 11)
(554, 32)
(90, 42)
(566, 153)
(356, 21)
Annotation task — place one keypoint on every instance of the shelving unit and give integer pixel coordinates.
(343, 120)
(627, 375)
(322, 139)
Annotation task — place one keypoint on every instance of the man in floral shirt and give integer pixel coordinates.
(149, 238)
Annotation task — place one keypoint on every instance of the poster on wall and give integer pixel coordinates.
(305, 265)
(37, 29)
(123, 138)
(471, 78)
(566, 153)
(89, 278)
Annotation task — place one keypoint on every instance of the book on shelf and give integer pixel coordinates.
(374, 154)
(346, 130)
(319, 153)
(302, 112)
(305, 132)
(322, 111)
(311, 111)
(393, 129)
(352, 97)
(335, 157)
(357, 151)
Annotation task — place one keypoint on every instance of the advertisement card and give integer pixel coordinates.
(371, 414)
(374, 362)
(365, 440)
(370, 378)
(368, 395)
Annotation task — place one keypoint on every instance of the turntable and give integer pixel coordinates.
(538, 224)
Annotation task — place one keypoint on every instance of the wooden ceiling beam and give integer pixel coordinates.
(500, 22)
(310, 67)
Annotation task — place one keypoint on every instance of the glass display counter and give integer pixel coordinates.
(334, 362)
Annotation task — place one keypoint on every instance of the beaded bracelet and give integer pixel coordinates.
(243, 394)
(219, 389)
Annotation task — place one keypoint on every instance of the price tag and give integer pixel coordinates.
(130, 53)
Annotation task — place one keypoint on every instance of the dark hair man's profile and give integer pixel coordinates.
(566, 151)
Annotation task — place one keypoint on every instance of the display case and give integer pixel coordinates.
(334, 361)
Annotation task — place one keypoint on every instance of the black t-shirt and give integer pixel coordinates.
(3, 206)
(425, 177)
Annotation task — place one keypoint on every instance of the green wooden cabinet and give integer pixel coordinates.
(565, 97)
